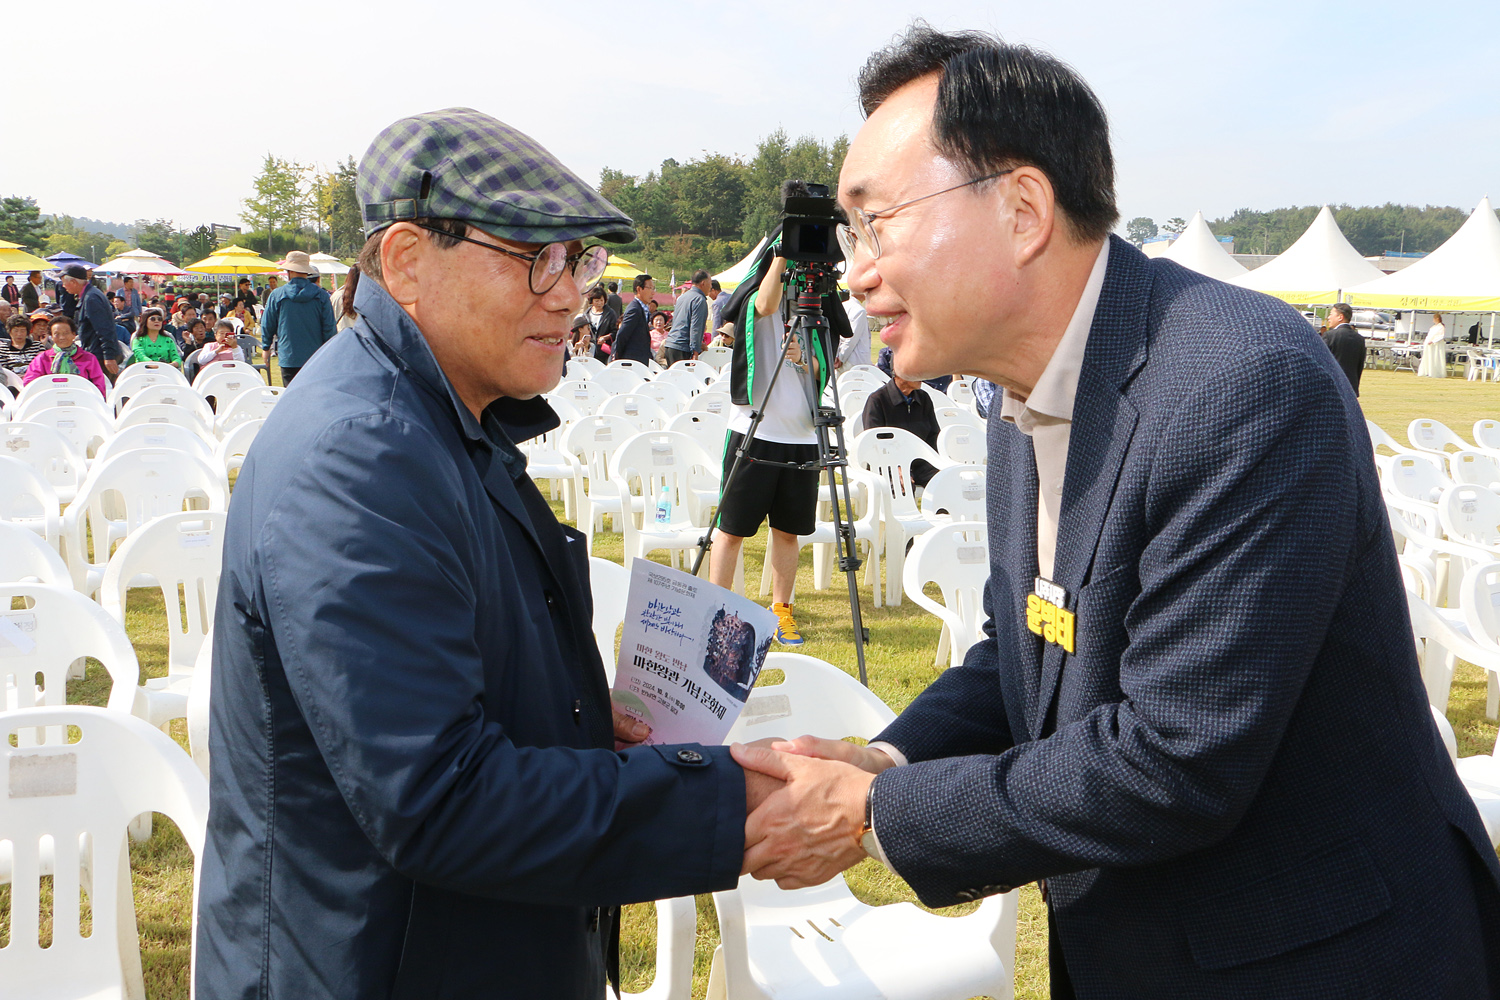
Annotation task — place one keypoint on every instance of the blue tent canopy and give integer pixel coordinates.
(65, 259)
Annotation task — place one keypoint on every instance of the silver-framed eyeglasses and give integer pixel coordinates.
(548, 263)
(859, 232)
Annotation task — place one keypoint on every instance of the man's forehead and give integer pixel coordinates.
(893, 143)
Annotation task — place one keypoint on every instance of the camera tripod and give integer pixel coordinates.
(809, 325)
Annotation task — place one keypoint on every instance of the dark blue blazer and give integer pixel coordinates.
(414, 791)
(633, 339)
(1233, 786)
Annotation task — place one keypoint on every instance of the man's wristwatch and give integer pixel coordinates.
(867, 832)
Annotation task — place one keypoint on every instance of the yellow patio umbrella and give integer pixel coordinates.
(619, 269)
(233, 260)
(13, 258)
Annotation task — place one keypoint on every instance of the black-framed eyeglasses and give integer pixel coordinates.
(859, 232)
(548, 263)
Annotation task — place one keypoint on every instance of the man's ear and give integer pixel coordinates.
(1034, 206)
(401, 250)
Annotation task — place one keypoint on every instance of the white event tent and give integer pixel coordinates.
(1318, 268)
(1198, 249)
(1462, 275)
(729, 280)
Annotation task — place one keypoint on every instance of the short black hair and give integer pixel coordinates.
(1001, 106)
(640, 282)
(699, 276)
(614, 286)
(595, 293)
(1344, 310)
(715, 285)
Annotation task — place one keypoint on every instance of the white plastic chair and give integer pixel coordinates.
(643, 412)
(11, 381)
(199, 702)
(69, 805)
(83, 427)
(669, 396)
(962, 394)
(889, 453)
(873, 371)
(156, 436)
(585, 395)
(1470, 514)
(179, 554)
(88, 391)
(26, 557)
(123, 494)
(852, 403)
(589, 444)
(1479, 604)
(663, 466)
(1481, 777)
(711, 401)
(956, 558)
(716, 357)
(71, 396)
(48, 452)
(131, 385)
(955, 494)
(1475, 468)
(1380, 439)
(951, 415)
(547, 461)
(690, 380)
(221, 387)
(254, 403)
(583, 367)
(640, 370)
(162, 413)
(58, 628)
(705, 372)
(231, 451)
(862, 380)
(217, 368)
(1487, 435)
(610, 584)
(1433, 436)
(710, 430)
(615, 378)
(1416, 477)
(964, 444)
(822, 942)
(27, 500)
(866, 493)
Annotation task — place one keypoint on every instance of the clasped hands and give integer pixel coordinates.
(805, 807)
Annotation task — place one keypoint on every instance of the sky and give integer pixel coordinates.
(1213, 106)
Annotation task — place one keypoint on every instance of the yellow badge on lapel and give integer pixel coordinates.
(1047, 616)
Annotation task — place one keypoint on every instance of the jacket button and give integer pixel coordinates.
(690, 756)
(549, 598)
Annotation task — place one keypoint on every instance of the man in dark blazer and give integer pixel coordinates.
(1347, 345)
(633, 339)
(1197, 713)
(415, 787)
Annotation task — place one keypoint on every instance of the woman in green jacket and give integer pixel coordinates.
(153, 343)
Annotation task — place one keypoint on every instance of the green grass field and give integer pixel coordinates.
(900, 665)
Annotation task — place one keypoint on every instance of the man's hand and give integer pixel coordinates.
(864, 758)
(628, 729)
(806, 832)
(113, 367)
(759, 786)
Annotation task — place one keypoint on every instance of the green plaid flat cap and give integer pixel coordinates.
(460, 164)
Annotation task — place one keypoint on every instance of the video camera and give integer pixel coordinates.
(809, 224)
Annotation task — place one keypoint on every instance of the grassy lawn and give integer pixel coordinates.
(900, 665)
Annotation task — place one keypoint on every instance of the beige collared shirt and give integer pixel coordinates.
(1046, 416)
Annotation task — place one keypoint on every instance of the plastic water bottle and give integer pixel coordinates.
(664, 506)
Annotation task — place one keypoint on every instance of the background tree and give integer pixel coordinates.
(1140, 229)
(69, 237)
(345, 226)
(279, 200)
(21, 222)
(1174, 226)
(159, 237)
(778, 159)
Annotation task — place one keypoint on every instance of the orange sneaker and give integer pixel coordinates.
(786, 629)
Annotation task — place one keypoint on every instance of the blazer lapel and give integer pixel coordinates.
(1104, 422)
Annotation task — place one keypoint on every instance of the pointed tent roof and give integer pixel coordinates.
(1463, 274)
(1199, 250)
(1317, 268)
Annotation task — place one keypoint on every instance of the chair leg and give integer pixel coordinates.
(1491, 696)
(127, 937)
(716, 987)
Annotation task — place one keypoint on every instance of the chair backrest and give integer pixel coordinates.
(953, 415)
(1475, 468)
(42, 383)
(83, 427)
(957, 491)
(235, 445)
(669, 396)
(814, 698)
(641, 370)
(222, 386)
(872, 371)
(642, 411)
(45, 450)
(708, 429)
(86, 395)
(172, 394)
(182, 554)
(26, 557)
(1470, 513)
(1479, 599)
(661, 463)
(77, 799)
(1380, 439)
(593, 440)
(11, 381)
(956, 557)
(586, 395)
(704, 371)
(1487, 434)
(44, 629)
(583, 367)
(254, 403)
(1432, 435)
(690, 380)
(710, 401)
(144, 373)
(860, 380)
(156, 436)
(1416, 477)
(962, 393)
(889, 452)
(214, 368)
(28, 500)
(716, 357)
(963, 443)
(617, 378)
(852, 403)
(127, 389)
(165, 413)
(565, 410)
(610, 583)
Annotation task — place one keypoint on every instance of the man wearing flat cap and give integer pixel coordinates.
(416, 790)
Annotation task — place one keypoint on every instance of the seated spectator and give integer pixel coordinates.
(582, 344)
(883, 362)
(181, 320)
(153, 343)
(66, 357)
(903, 404)
(242, 317)
(224, 347)
(41, 328)
(661, 324)
(18, 349)
(193, 340)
